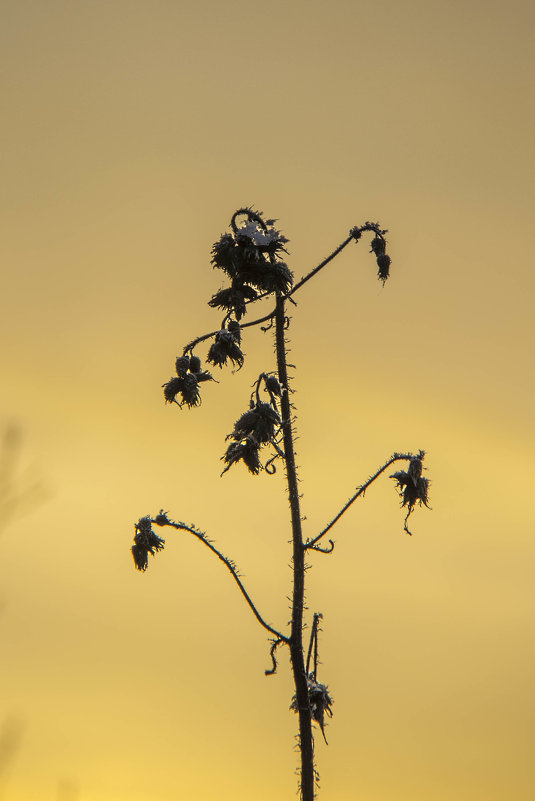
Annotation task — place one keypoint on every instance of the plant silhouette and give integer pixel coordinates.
(252, 256)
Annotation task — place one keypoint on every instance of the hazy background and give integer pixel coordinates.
(132, 131)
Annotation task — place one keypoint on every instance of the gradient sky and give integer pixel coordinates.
(132, 131)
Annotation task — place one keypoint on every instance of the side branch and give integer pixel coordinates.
(396, 457)
(163, 520)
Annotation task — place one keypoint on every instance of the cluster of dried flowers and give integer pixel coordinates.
(256, 427)
(250, 257)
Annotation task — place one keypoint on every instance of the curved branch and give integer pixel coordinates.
(396, 457)
(227, 562)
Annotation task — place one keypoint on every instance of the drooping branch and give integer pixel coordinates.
(163, 520)
(396, 457)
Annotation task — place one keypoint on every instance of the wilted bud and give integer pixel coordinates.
(383, 262)
(378, 245)
(182, 365)
(272, 385)
(195, 364)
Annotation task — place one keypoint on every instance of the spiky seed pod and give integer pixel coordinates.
(272, 385)
(378, 245)
(172, 388)
(145, 542)
(225, 347)
(383, 262)
(182, 365)
(246, 451)
(356, 233)
(194, 364)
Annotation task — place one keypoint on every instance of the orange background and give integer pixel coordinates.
(132, 131)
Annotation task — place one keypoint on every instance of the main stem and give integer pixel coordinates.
(306, 743)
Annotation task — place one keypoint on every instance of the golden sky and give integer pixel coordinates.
(132, 131)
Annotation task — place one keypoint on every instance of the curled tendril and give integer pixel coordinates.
(319, 549)
(252, 215)
(271, 671)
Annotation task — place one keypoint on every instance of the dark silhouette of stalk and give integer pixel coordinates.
(298, 598)
(251, 259)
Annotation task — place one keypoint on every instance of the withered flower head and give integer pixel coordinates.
(246, 450)
(225, 347)
(172, 388)
(411, 489)
(233, 299)
(188, 387)
(383, 262)
(260, 422)
(145, 542)
(320, 703)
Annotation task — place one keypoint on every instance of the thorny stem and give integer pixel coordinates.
(310, 544)
(296, 637)
(202, 537)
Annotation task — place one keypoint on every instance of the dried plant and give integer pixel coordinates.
(251, 257)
